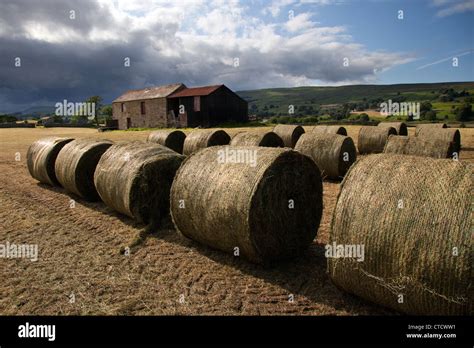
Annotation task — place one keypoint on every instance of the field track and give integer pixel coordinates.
(79, 254)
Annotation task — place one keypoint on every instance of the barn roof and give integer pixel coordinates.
(149, 93)
(195, 91)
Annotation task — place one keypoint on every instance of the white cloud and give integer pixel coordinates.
(276, 5)
(299, 22)
(451, 7)
(191, 41)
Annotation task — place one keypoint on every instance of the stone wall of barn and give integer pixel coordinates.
(155, 113)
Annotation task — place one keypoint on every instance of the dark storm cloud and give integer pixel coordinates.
(70, 59)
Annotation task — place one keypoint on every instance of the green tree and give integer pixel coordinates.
(107, 110)
(430, 115)
(425, 106)
(97, 100)
(464, 112)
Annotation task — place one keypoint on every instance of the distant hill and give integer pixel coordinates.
(36, 111)
(277, 100)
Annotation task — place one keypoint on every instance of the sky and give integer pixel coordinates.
(55, 50)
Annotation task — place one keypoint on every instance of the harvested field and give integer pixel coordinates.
(79, 254)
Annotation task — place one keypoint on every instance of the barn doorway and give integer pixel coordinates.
(129, 122)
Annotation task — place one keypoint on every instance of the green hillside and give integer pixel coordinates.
(318, 100)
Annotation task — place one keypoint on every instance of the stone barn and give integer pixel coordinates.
(178, 106)
(207, 106)
(144, 108)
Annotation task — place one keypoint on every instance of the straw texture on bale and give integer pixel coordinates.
(269, 211)
(416, 146)
(400, 127)
(41, 158)
(76, 164)
(373, 139)
(413, 216)
(330, 129)
(134, 178)
(173, 139)
(202, 138)
(289, 133)
(447, 134)
(333, 153)
(266, 139)
(429, 126)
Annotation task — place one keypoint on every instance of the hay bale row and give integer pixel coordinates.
(134, 178)
(330, 130)
(429, 126)
(413, 216)
(400, 127)
(333, 153)
(448, 135)
(255, 138)
(173, 139)
(76, 164)
(233, 204)
(373, 139)
(289, 134)
(41, 158)
(416, 146)
(202, 138)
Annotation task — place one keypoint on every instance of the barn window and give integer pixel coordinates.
(123, 107)
(197, 103)
(142, 108)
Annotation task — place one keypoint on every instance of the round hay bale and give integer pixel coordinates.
(266, 139)
(428, 126)
(41, 158)
(76, 163)
(134, 178)
(415, 146)
(413, 217)
(373, 139)
(333, 153)
(447, 134)
(330, 130)
(269, 208)
(202, 138)
(173, 139)
(400, 127)
(289, 133)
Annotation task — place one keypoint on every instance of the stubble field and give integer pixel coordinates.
(81, 271)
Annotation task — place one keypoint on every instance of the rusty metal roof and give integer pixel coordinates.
(195, 91)
(149, 93)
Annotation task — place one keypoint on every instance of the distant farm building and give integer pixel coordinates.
(144, 107)
(178, 106)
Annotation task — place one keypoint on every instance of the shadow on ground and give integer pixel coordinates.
(303, 276)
